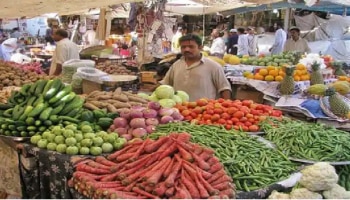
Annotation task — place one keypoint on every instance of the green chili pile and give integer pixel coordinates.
(250, 162)
(309, 141)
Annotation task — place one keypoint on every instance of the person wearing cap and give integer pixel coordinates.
(280, 40)
(252, 42)
(7, 48)
(218, 46)
(295, 43)
(232, 42)
(242, 44)
(175, 45)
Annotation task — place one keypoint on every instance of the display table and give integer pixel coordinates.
(47, 175)
(9, 172)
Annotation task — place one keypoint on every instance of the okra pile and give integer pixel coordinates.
(251, 164)
(309, 141)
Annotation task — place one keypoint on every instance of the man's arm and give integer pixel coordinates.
(58, 70)
(226, 94)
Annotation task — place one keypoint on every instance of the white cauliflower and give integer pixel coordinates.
(337, 192)
(318, 177)
(278, 195)
(303, 193)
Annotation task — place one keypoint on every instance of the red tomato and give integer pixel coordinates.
(238, 114)
(247, 102)
(253, 128)
(247, 123)
(208, 121)
(225, 116)
(236, 127)
(229, 122)
(254, 112)
(186, 113)
(218, 110)
(222, 121)
(240, 124)
(253, 106)
(220, 100)
(231, 110)
(259, 107)
(245, 128)
(193, 114)
(228, 127)
(215, 117)
(202, 102)
(226, 104)
(188, 118)
(262, 118)
(244, 109)
(276, 113)
(198, 110)
(249, 116)
(206, 116)
(251, 120)
(243, 119)
(234, 120)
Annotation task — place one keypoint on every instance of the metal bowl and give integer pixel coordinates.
(117, 80)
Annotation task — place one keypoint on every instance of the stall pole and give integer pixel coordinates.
(345, 11)
(203, 29)
(287, 19)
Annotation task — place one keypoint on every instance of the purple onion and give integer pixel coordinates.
(121, 131)
(120, 122)
(177, 116)
(166, 119)
(166, 111)
(150, 129)
(154, 105)
(152, 121)
(135, 114)
(127, 136)
(149, 113)
(138, 123)
(139, 132)
(125, 114)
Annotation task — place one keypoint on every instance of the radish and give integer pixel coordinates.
(135, 113)
(150, 128)
(166, 119)
(139, 132)
(121, 131)
(166, 111)
(149, 113)
(120, 122)
(138, 123)
(152, 121)
(154, 105)
(127, 136)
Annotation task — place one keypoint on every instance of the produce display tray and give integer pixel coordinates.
(16, 139)
(324, 104)
(313, 162)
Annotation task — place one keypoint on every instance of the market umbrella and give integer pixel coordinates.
(101, 27)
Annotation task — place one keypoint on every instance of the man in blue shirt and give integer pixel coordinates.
(232, 42)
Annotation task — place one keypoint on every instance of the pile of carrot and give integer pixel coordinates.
(170, 167)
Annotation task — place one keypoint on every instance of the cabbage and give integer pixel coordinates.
(167, 103)
(164, 92)
(153, 97)
(183, 95)
(177, 99)
(143, 95)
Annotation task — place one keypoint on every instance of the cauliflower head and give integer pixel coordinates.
(318, 177)
(278, 195)
(303, 193)
(337, 192)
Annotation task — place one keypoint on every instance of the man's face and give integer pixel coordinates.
(294, 33)
(190, 49)
(56, 37)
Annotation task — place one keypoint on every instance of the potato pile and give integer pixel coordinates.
(113, 101)
(14, 76)
(114, 68)
(5, 93)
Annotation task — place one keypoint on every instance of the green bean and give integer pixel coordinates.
(251, 163)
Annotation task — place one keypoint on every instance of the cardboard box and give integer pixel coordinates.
(249, 93)
(90, 86)
(149, 77)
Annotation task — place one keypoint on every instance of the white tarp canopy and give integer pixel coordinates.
(33, 8)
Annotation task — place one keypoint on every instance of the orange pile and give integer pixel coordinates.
(344, 78)
(272, 73)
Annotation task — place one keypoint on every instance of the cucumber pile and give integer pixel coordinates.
(38, 106)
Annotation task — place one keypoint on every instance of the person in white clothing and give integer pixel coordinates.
(175, 45)
(65, 50)
(218, 46)
(280, 40)
(252, 42)
(242, 44)
(7, 48)
(89, 37)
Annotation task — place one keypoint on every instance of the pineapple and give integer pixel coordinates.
(316, 76)
(287, 84)
(337, 105)
(338, 69)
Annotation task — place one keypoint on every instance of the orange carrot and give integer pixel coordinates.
(128, 172)
(186, 180)
(201, 163)
(125, 156)
(129, 187)
(149, 188)
(189, 169)
(208, 187)
(153, 159)
(122, 195)
(155, 145)
(155, 168)
(96, 185)
(222, 186)
(138, 174)
(89, 169)
(154, 179)
(79, 174)
(184, 137)
(213, 161)
(185, 154)
(160, 189)
(104, 161)
(228, 192)
(197, 149)
(98, 165)
(117, 153)
(221, 179)
(168, 169)
(202, 190)
(205, 155)
(144, 193)
(119, 166)
(140, 150)
(165, 145)
(170, 181)
(186, 146)
(140, 160)
(216, 167)
(169, 151)
(111, 177)
(206, 175)
(181, 193)
(217, 175)
(170, 191)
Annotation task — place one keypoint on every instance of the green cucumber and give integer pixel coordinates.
(31, 128)
(73, 112)
(40, 87)
(21, 128)
(45, 114)
(25, 89)
(37, 110)
(58, 109)
(31, 133)
(105, 122)
(37, 123)
(27, 110)
(48, 123)
(8, 113)
(30, 121)
(5, 106)
(69, 97)
(40, 99)
(77, 102)
(19, 123)
(12, 127)
(61, 94)
(55, 86)
(15, 111)
(32, 88)
(42, 128)
(15, 133)
(54, 119)
(47, 86)
(69, 119)
(19, 113)
(31, 100)
(24, 134)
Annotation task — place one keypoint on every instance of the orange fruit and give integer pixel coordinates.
(250, 76)
(349, 79)
(298, 72)
(279, 78)
(304, 77)
(300, 66)
(296, 78)
(263, 72)
(281, 73)
(273, 72)
(269, 78)
(342, 78)
(270, 67)
(304, 72)
(258, 77)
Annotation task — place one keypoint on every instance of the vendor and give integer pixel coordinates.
(218, 46)
(89, 37)
(295, 43)
(65, 50)
(195, 74)
(7, 48)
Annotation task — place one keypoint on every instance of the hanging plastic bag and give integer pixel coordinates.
(70, 67)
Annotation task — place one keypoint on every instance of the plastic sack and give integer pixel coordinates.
(86, 73)
(70, 67)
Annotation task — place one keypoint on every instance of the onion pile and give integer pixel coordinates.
(138, 121)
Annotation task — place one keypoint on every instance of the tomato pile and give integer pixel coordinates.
(233, 114)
